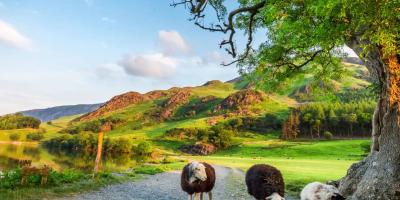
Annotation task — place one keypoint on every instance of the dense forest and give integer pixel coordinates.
(337, 119)
(17, 121)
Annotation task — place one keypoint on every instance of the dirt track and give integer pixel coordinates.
(166, 186)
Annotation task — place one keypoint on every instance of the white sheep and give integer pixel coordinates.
(320, 191)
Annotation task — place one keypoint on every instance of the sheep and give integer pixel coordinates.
(197, 178)
(320, 191)
(265, 182)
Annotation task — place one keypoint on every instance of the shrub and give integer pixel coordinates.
(220, 137)
(328, 135)
(217, 135)
(121, 145)
(10, 179)
(143, 149)
(14, 136)
(137, 126)
(49, 123)
(35, 136)
(93, 126)
(72, 130)
(17, 121)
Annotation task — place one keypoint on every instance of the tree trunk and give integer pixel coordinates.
(378, 175)
(99, 151)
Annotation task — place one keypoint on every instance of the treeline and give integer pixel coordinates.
(338, 119)
(221, 135)
(18, 121)
(216, 135)
(94, 126)
(87, 143)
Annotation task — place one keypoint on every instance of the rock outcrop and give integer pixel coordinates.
(116, 103)
(168, 107)
(241, 99)
(198, 149)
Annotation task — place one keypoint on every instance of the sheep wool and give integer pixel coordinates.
(320, 191)
(193, 179)
(265, 182)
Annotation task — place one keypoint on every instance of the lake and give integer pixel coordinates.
(12, 153)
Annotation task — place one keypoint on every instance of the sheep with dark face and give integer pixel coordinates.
(265, 182)
(320, 191)
(197, 178)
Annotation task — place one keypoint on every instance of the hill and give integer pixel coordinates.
(153, 113)
(48, 114)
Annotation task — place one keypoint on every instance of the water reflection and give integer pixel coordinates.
(11, 156)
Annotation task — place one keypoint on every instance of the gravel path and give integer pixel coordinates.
(166, 186)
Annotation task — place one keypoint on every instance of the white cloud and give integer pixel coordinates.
(108, 20)
(154, 65)
(172, 43)
(10, 36)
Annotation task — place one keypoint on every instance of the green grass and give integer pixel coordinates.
(301, 162)
(221, 90)
(50, 192)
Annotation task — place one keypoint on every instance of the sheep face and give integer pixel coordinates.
(197, 172)
(274, 196)
(337, 196)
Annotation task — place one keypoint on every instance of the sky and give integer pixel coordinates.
(68, 52)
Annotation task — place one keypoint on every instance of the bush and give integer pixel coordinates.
(220, 137)
(93, 126)
(14, 136)
(36, 136)
(217, 135)
(143, 149)
(18, 121)
(11, 179)
(72, 130)
(328, 135)
(137, 127)
(121, 145)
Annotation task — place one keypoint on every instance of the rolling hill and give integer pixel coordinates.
(48, 114)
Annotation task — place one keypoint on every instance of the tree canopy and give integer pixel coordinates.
(301, 34)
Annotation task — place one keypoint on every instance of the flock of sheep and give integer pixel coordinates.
(263, 182)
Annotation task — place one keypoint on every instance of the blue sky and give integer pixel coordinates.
(86, 51)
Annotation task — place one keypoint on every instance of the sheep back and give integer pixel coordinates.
(198, 186)
(264, 180)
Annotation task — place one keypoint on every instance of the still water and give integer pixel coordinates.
(12, 154)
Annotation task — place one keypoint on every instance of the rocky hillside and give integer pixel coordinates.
(52, 113)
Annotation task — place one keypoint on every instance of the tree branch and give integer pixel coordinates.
(227, 28)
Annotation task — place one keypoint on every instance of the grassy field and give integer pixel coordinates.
(300, 162)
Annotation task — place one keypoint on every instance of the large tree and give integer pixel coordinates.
(307, 35)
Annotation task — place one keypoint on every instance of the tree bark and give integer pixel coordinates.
(378, 175)
(99, 152)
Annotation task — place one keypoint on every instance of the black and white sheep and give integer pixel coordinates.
(320, 191)
(198, 178)
(265, 182)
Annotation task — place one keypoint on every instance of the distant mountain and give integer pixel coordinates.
(48, 114)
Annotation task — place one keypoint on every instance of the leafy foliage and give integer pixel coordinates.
(341, 119)
(18, 121)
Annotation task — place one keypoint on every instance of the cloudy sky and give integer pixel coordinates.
(86, 51)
